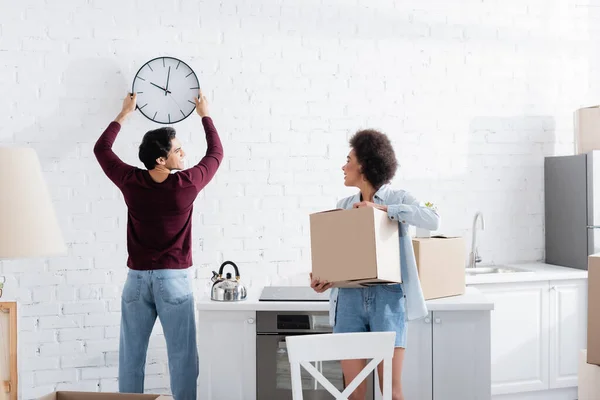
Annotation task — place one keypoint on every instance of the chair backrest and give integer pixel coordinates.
(304, 349)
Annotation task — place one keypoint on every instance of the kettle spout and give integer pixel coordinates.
(215, 277)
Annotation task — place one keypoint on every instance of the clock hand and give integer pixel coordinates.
(161, 88)
(167, 87)
(175, 101)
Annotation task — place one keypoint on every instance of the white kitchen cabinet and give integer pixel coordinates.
(568, 331)
(461, 355)
(519, 336)
(227, 352)
(417, 372)
(448, 357)
(538, 329)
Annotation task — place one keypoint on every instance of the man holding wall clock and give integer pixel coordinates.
(159, 226)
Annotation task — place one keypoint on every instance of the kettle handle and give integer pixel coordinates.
(237, 272)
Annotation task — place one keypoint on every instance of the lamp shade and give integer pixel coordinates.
(28, 224)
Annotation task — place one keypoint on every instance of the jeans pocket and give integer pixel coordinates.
(175, 289)
(132, 289)
(394, 288)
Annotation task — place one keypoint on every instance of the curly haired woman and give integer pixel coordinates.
(370, 166)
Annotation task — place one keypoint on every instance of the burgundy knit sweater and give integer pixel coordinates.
(159, 215)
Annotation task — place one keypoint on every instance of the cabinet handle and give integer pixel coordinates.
(438, 321)
(552, 288)
(250, 320)
(427, 320)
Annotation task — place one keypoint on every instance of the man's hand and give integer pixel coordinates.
(369, 204)
(319, 286)
(202, 105)
(129, 103)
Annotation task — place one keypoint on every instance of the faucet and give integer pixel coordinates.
(474, 256)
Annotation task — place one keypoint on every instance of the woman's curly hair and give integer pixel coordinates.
(375, 155)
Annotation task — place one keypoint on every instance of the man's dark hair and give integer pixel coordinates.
(375, 155)
(156, 144)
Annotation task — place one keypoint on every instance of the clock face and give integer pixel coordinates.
(166, 88)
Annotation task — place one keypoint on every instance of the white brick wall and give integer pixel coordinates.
(473, 93)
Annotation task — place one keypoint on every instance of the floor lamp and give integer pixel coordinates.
(28, 224)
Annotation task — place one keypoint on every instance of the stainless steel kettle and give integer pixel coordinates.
(227, 289)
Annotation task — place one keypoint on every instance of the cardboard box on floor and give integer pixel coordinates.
(441, 265)
(102, 396)
(586, 122)
(588, 379)
(593, 333)
(353, 248)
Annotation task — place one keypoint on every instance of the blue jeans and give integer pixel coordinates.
(378, 308)
(166, 293)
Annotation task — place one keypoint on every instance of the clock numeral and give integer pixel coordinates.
(139, 92)
(150, 68)
(182, 113)
(189, 101)
(155, 115)
(169, 118)
(143, 106)
(189, 74)
(163, 62)
(196, 87)
(139, 77)
(178, 65)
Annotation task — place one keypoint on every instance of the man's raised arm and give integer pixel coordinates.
(111, 164)
(202, 173)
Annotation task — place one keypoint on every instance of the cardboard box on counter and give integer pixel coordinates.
(353, 248)
(587, 129)
(593, 320)
(441, 265)
(102, 396)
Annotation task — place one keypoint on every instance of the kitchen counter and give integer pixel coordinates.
(473, 299)
(535, 272)
(256, 360)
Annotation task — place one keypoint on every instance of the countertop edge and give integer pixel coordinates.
(472, 300)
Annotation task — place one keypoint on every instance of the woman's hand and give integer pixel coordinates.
(319, 286)
(369, 204)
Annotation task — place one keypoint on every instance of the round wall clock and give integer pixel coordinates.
(166, 88)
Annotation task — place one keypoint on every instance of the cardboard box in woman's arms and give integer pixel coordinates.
(353, 248)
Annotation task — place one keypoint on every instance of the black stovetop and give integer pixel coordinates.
(292, 293)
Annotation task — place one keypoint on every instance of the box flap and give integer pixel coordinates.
(585, 108)
(444, 237)
(424, 239)
(328, 211)
(362, 283)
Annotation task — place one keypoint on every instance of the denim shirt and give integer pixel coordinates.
(407, 210)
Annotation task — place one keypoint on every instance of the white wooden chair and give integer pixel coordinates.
(304, 349)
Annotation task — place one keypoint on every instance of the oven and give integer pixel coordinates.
(272, 364)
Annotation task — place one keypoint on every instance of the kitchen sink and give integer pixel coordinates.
(496, 269)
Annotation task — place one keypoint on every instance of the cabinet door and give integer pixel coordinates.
(227, 352)
(417, 368)
(519, 335)
(461, 355)
(568, 324)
